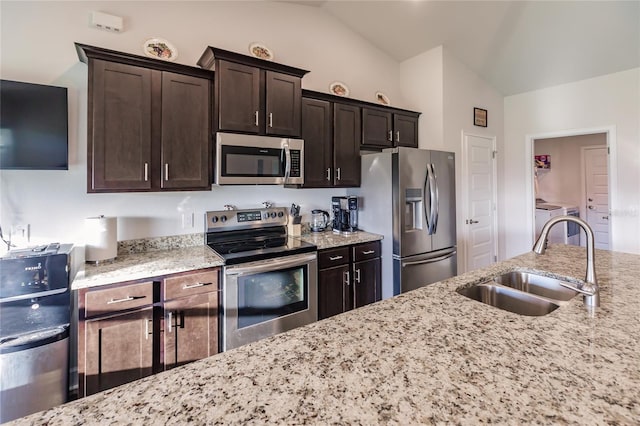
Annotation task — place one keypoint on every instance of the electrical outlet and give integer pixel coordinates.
(187, 220)
(21, 234)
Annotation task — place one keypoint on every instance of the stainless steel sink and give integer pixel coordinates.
(509, 299)
(536, 284)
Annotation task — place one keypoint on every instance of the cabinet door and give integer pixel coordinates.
(318, 143)
(406, 130)
(118, 350)
(190, 329)
(367, 286)
(346, 145)
(283, 104)
(185, 132)
(376, 128)
(334, 291)
(238, 103)
(119, 154)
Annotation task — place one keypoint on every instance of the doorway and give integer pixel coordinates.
(479, 201)
(560, 176)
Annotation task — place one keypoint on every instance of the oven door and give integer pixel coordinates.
(267, 297)
(250, 159)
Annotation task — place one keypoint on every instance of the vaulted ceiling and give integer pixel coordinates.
(516, 46)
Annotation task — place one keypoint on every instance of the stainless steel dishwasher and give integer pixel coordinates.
(34, 329)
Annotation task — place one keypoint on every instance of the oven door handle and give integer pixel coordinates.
(270, 265)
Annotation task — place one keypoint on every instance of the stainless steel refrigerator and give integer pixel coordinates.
(408, 195)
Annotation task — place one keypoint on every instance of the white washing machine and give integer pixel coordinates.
(544, 212)
(564, 232)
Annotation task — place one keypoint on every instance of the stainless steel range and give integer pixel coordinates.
(269, 279)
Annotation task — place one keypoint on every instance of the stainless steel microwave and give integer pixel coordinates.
(258, 160)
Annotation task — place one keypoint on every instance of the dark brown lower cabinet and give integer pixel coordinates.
(367, 287)
(348, 277)
(130, 330)
(334, 295)
(190, 329)
(119, 349)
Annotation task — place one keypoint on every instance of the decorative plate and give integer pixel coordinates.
(383, 99)
(160, 48)
(261, 51)
(338, 88)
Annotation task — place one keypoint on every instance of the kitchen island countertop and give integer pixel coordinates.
(426, 356)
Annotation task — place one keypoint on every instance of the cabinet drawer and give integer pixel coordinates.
(366, 251)
(333, 257)
(115, 299)
(187, 285)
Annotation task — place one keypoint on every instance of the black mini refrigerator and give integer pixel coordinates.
(34, 329)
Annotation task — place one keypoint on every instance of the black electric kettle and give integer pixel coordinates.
(319, 220)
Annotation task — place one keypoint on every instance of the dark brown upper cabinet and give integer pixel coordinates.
(331, 133)
(253, 95)
(317, 128)
(388, 128)
(149, 123)
(346, 148)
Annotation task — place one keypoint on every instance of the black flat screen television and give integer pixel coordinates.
(33, 126)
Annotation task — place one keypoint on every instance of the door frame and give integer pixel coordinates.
(610, 136)
(583, 189)
(465, 197)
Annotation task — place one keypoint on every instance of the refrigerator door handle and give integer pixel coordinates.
(432, 221)
(435, 206)
(435, 259)
(427, 183)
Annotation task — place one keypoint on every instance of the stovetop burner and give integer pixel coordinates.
(241, 236)
(250, 245)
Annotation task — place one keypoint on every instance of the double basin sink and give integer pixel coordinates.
(522, 293)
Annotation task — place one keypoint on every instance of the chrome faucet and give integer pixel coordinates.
(589, 289)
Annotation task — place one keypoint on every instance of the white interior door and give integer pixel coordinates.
(479, 177)
(597, 194)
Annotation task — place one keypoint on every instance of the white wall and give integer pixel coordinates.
(37, 46)
(421, 83)
(612, 101)
(562, 182)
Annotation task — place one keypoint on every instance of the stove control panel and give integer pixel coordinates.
(225, 219)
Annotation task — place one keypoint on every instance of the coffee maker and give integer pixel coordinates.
(345, 214)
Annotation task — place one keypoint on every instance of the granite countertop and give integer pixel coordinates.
(140, 259)
(328, 239)
(134, 266)
(427, 356)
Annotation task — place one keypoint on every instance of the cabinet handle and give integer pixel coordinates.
(368, 252)
(328, 173)
(390, 135)
(344, 299)
(187, 286)
(338, 173)
(332, 258)
(170, 321)
(146, 172)
(357, 276)
(256, 118)
(126, 299)
(146, 329)
(398, 136)
(166, 171)
(270, 119)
